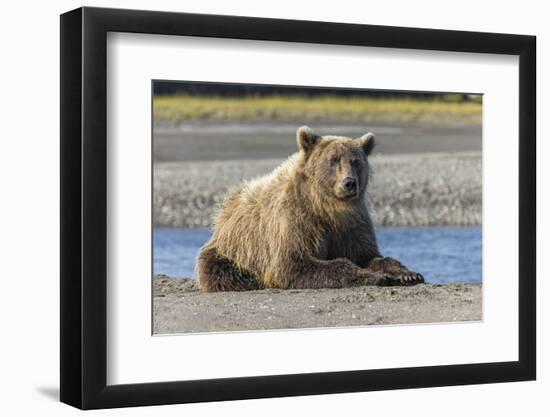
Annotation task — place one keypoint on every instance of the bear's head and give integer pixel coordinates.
(336, 166)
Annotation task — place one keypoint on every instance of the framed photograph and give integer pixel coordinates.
(257, 208)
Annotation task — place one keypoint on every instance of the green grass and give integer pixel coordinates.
(446, 109)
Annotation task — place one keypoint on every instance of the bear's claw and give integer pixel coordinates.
(411, 278)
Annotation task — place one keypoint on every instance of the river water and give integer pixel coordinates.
(441, 254)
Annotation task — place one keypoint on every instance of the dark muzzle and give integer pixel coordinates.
(350, 185)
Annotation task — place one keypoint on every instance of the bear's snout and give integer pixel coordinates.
(350, 185)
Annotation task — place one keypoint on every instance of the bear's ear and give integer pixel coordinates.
(367, 142)
(306, 139)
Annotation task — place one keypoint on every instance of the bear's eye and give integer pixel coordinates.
(334, 161)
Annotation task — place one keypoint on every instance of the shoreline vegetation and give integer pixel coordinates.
(445, 109)
(179, 307)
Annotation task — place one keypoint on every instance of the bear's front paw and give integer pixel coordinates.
(396, 273)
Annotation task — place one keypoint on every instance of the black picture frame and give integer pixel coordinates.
(84, 207)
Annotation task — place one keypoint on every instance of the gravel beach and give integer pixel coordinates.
(417, 189)
(180, 308)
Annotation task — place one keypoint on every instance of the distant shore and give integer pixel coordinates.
(182, 108)
(422, 189)
(179, 307)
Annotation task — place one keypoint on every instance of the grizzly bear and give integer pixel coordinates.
(304, 225)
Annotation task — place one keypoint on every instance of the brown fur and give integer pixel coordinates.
(300, 227)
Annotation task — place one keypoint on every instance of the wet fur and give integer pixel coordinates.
(293, 229)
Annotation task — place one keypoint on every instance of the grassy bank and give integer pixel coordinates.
(181, 108)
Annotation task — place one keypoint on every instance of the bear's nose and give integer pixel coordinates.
(350, 184)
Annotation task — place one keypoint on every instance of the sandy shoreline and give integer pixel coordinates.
(211, 141)
(179, 307)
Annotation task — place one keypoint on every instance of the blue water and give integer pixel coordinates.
(442, 254)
